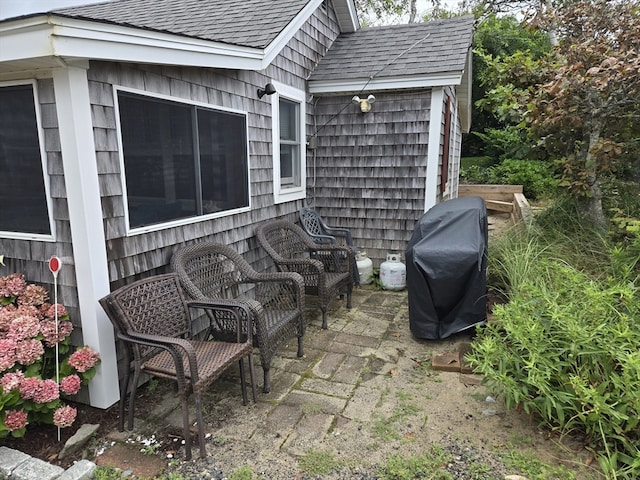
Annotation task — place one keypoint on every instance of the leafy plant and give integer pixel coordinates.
(566, 348)
(38, 364)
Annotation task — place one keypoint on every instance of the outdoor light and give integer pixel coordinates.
(365, 103)
(268, 89)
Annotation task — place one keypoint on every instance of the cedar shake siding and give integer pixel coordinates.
(368, 172)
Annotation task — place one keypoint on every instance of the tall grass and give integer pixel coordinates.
(565, 345)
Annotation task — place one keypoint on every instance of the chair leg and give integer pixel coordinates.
(186, 432)
(349, 298)
(132, 398)
(300, 347)
(124, 388)
(252, 375)
(203, 448)
(324, 318)
(243, 382)
(266, 388)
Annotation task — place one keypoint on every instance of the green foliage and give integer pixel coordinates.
(387, 429)
(566, 347)
(317, 462)
(507, 142)
(428, 465)
(533, 468)
(501, 44)
(242, 473)
(537, 178)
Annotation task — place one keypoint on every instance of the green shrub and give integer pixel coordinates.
(566, 348)
(536, 177)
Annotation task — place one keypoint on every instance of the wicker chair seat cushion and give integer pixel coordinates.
(212, 359)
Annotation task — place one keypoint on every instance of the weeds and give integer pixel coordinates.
(428, 465)
(242, 473)
(533, 468)
(317, 462)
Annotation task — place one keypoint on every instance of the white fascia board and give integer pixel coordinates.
(29, 39)
(287, 33)
(80, 39)
(386, 83)
(347, 15)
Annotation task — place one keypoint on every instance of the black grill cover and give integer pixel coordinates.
(446, 268)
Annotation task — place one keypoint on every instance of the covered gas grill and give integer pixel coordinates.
(446, 269)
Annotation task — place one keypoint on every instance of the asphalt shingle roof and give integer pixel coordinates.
(412, 49)
(250, 23)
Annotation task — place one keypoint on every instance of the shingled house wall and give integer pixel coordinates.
(369, 169)
(145, 254)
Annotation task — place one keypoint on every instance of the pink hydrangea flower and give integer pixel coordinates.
(70, 385)
(10, 381)
(7, 353)
(48, 329)
(15, 419)
(29, 351)
(47, 391)
(7, 314)
(64, 416)
(83, 359)
(33, 295)
(23, 328)
(28, 387)
(49, 311)
(12, 285)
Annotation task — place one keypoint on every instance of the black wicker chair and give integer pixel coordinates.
(216, 273)
(327, 270)
(152, 318)
(314, 226)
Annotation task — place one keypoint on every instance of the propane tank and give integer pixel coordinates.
(393, 273)
(365, 268)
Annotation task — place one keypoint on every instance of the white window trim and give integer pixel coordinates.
(286, 194)
(183, 221)
(45, 171)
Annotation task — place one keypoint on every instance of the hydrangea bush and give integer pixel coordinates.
(29, 389)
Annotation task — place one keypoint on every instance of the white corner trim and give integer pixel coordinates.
(433, 149)
(287, 33)
(87, 232)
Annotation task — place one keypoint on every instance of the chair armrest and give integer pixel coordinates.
(169, 344)
(270, 284)
(341, 232)
(323, 239)
(228, 306)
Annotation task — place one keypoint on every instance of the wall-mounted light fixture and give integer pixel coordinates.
(365, 103)
(268, 89)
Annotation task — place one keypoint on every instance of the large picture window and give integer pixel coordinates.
(23, 194)
(289, 154)
(181, 160)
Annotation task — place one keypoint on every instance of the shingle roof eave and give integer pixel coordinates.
(248, 23)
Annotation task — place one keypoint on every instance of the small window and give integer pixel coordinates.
(24, 210)
(180, 160)
(289, 155)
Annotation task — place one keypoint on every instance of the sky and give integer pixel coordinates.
(11, 8)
